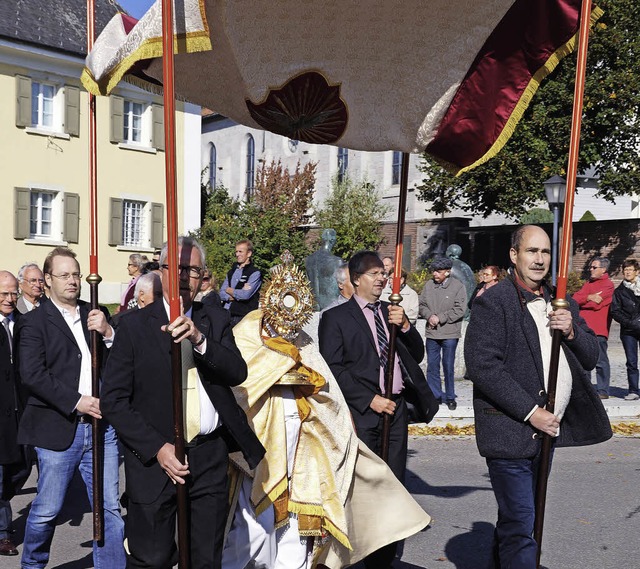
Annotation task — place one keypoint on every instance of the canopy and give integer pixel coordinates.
(451, 77)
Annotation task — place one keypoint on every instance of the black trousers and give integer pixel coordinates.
(370, 433)
(150, 528)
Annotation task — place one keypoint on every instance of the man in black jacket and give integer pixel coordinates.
(137, 400)
(507, 351)
(354, 342)
(625, 309)
(13, 468)
(55, 367)
(240, 290)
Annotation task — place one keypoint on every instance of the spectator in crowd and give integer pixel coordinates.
(241, 287)
(14, 467)
(55, 366)
(148, 289)
(344, 286)
(594, 299)
(134, 267)
(389, 265)
(489, 276)
(508, 351)
(625, 309)
(207, 286)
(443, 302)
(31, 283)
(410, 300)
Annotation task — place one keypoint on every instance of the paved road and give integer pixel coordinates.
(593, 513)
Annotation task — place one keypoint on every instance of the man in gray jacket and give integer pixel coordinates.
(507, 351)
(443, 302)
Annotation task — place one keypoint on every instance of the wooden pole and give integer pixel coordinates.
(94, 280)
(395, 299)
(172, 261)
(561, 291)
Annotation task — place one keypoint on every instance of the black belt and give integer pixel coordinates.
(396, 396)
(199, 439)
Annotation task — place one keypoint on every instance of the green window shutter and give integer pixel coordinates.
(23, 101)
(157, 221)
(72, 110)
(71, 226)
(157, 140)
(21, 207)
(115, 221)
(117, 119)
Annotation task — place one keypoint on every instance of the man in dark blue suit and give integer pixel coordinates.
(354, 341)
(55, 367)
(137, 400)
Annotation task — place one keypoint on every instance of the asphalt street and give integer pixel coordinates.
(592, 517)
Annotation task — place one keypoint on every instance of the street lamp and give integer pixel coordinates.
(555, 189)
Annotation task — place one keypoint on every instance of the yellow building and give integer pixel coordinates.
(44, 149)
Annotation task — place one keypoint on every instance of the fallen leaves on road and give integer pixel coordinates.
(621, 429)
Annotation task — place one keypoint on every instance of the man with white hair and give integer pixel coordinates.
(148, 289)
(31, 283)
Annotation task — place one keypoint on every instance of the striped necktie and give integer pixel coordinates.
(381, 332)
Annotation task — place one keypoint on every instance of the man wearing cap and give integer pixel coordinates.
(443, 302)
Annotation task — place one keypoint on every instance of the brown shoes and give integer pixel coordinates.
(7, 547)
(603, 395)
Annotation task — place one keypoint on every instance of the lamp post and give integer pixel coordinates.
(555, 189)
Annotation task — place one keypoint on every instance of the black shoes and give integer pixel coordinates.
(7, 547)
(452, 405)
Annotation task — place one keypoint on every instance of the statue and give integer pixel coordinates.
(321, 267)
(462, 272)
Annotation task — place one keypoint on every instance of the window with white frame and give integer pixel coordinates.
(42, 104)
(133, 122)
(396, 164)
(251, 167)
(41, 216)
(343, 163)
(213, 166)
(134, 226)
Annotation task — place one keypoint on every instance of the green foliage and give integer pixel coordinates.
(536, 215)
(511, 183)
(574, 282)
(588, 216)
(229, 220)
(355, 212)
(418, 279)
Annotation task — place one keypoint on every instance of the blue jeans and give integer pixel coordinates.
(630, 345)
(514, 486)
(5, 508)
(56, 471)
(603, 370)
(448, 348)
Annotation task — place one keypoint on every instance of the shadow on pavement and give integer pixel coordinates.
(417, 485)
(471, 550)
(85, 563)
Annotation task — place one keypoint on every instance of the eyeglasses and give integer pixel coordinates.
(68, 276)
(206, 279)
(5, 295)
(375, 274)
(194, 272)
(594, 267)
(35, 281)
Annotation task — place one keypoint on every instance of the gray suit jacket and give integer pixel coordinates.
(504, 362)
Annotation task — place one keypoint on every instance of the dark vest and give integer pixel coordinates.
(243, 307)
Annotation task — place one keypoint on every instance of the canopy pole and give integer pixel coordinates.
(395, 300)
(172, 261)
(561, 291)
(94, 280)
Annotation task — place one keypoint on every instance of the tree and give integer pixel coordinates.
(291, 193)
(511, 183)
(355, 212)
(536, 215)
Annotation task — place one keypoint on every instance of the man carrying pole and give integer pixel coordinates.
(138, 398)
(507, 350)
